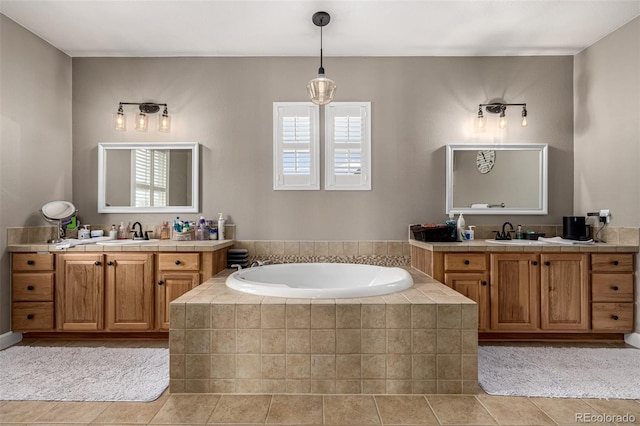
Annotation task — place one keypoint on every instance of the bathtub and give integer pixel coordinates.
(320, 280)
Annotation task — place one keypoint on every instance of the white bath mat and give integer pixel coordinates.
(83, 374)
(603, 373)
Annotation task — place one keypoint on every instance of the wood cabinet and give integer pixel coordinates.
(177, 273)
(32, 292)
(515, 291)
(467, 274)
(129, 291)
(80, 292)
(564, 292)
(612, 297)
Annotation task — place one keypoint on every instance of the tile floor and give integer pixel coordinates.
(277, 409)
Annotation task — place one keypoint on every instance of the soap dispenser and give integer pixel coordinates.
(470, 233)
(113, 232)
(460, 225)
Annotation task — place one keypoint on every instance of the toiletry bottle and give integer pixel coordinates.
(519, 235)
(460, 227)
(177, 225)
(113, 232)
(469, 234)
(84, 234)
(122, 232)
(220, 227)
(200, 229)
(164, 231)
(452, 222)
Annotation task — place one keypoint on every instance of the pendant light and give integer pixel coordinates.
(321, 89)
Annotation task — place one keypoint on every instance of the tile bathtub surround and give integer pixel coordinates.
(421, 340)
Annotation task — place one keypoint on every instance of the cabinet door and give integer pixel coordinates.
(80, 292)
(170, 286)
(564, 292)
(475, 287)
(514, 291)
(129, 291)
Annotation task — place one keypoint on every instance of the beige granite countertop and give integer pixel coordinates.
(161, 245)
(483, 245)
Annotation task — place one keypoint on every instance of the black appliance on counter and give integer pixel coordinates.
(575, 228)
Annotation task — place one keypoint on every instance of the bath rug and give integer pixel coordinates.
(36, 373)
(603, 373)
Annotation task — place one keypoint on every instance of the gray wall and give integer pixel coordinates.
(35, 136)
(607, 131)
(418, 106)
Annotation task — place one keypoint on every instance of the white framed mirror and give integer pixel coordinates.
(497, 179)
(148, 177)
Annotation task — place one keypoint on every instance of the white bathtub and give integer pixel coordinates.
(320, 280)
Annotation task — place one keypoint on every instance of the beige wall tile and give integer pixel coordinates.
(273, 341)
(323, 341)
(222, 385)
(336, 248)
(273, 386)
(307, 248)
(298, 341)
(197, 341)
(372, 387)
(449, 341)
(398, 316)
(223, 366)
(469, 342)
(292, 248)
(176, 385)
(399, 341)
(374, 366)
(248, 367)
(394, 248)
(176, 366)
(247, 386)
(248, 316)
(298, 386)
(449, 316)
(197, 366)
(449, 367)
(373, 341)
(348, 366)
(323, 367)
(348, 316)
(223, 316)
(276, 248)
(348, 386)
(298, 366)
(423, 367)
(177, 313)
(380, 248)
(248, 341)
(398, 386)
(272, 316)
(323, 386)
(323, 316)
(223, 341)
(424, 387)
(321, 248)
(196, 385)
(424, 316)
(470, 367)
(273, 366)
(262, 248)
(348, 341)
(298, 316)
(365, 248)
(629, 236)
(449, 386)
(373, 316)
(350, 248)
(176, 341)
(470, 316)
(398, 366)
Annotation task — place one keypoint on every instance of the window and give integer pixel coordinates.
(348, 146)
(295, 146)
(150, 174)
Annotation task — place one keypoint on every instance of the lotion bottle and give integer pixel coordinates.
(122, 232)
(113, 232)
(460, 225)
(220, 227)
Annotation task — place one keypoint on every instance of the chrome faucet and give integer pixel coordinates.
(504, 235)
(259, 263)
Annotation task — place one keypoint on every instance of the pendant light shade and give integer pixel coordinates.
(321, 89)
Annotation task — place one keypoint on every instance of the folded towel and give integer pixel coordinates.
(71, 242)
(560, 240)
(479, 206)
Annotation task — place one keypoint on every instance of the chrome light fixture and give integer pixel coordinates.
(499, 108)
(142, 121)
(321, 89)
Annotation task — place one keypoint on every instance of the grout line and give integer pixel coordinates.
(432, 410)
(375, 402)
(269, 409)
(487, 410)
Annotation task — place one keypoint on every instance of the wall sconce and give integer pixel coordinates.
(142, 121)
(499, 108)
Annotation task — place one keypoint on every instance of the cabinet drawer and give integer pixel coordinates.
(179, 261)
(465, 262)
(27, 316)
(30, 287)
(32, 262)
(612, 262)
(612, 317)
(612, 287)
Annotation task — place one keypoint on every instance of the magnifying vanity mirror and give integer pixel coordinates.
(148, 177)
(497, 179)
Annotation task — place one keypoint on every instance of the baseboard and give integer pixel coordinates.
(632, 339)
(9, 339)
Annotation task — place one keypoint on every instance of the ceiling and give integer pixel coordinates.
(357, 28)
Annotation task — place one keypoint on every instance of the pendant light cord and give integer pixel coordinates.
(321, 70)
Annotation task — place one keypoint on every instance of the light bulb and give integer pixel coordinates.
(524, 122)
(141, 122)
(164, 124)
(502, 123)
(120, 120)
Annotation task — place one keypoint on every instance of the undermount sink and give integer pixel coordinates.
(518, 242)
(124, 242)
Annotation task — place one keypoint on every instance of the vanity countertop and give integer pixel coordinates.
(482, 245)
(159, 245)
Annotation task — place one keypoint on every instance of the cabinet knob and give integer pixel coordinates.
(547, 263)
(466, 262)
(29, 316)
(160, 282)
(30, 287)
(615, 262)
(177, 262)
(484, 283)
(535, 263)
(31, 262)
(615, 288)
(110, 263)
(614, 317)
(97, 263)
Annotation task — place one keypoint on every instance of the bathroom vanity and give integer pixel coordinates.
(538, 291)
(107, 289)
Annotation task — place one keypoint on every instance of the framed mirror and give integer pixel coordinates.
(497, 179)
(148, 177)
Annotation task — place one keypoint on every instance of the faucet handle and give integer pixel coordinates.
(146, 234)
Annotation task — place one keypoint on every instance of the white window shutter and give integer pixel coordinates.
(296, 144)
(348, 146)
(150, 174)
